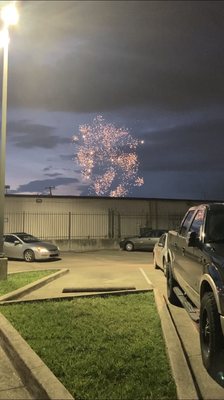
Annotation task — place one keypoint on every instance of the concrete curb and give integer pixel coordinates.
(76, 296)
(36, 376)
(32, 286)
(181, 373)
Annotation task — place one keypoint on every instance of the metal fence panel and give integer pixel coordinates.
(44, 225)
(47, 226)
(58, 226)
(13, 222)
(174, 221)
(89, 226)
(131, 224)
(165, 221)
(85, 226)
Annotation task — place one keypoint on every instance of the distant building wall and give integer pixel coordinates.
(89, 222)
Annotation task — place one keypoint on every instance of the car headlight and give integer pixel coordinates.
(41, 249)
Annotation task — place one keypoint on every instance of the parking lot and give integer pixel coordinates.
(114, 268)
(105, 266)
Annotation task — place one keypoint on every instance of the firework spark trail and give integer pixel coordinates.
(107, 157)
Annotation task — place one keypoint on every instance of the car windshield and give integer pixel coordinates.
(215, 226)
(27, 238)
(153, 233)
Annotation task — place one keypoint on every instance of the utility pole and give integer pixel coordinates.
(50, 189)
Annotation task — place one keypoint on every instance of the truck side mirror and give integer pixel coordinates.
(192, 239)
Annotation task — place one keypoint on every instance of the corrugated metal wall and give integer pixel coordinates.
(88, 218)
(58, 226)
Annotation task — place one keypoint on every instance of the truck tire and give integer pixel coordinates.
(171, 283)
(211, 338)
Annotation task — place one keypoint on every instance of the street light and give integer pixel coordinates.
(9, 16)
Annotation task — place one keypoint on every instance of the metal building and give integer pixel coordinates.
(87, 222)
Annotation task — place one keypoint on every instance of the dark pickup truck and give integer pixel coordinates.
(195, 274)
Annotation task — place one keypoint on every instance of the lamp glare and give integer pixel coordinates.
(9, 14)
(4, 38)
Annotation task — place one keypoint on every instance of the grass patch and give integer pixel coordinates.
(20, 279)
(101, 348)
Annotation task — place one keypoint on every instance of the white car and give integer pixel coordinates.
(160, 253)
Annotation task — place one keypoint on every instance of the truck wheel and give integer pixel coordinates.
(210, 331)
(171, 283)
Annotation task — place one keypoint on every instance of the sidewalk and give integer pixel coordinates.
(11, 386)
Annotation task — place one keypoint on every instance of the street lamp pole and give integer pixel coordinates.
(9, 16)
(3, 141)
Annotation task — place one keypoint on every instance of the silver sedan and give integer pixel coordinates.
(146, 241)
(27, 247)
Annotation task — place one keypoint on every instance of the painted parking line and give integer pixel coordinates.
(145, 276)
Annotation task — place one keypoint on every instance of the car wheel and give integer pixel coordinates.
(210, 331)
(29, 255)
(129, 246)
(171, 283)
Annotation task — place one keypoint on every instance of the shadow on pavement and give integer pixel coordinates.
(218, 369)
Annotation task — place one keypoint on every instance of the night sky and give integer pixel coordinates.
(153, 67)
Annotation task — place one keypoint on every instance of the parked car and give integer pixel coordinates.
(27, 247)
(146, 241)
(160, 253)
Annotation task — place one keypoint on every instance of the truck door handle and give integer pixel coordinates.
(183, 250)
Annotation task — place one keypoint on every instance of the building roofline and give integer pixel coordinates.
(109, 198)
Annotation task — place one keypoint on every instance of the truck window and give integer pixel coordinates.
(197, 222)
(186, 223)
(215, 226)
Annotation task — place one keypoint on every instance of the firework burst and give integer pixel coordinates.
(107, 157)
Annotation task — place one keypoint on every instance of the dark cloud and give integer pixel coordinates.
(53, 174)
(25, 126)
(105, 55)
(39, 186)
(47, 168)
(28, 135)
(190, 147)
(157, 66)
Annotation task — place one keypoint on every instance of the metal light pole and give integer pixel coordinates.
(9, 17)
(3, 142)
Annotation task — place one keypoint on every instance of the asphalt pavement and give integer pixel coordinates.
(117, 269)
